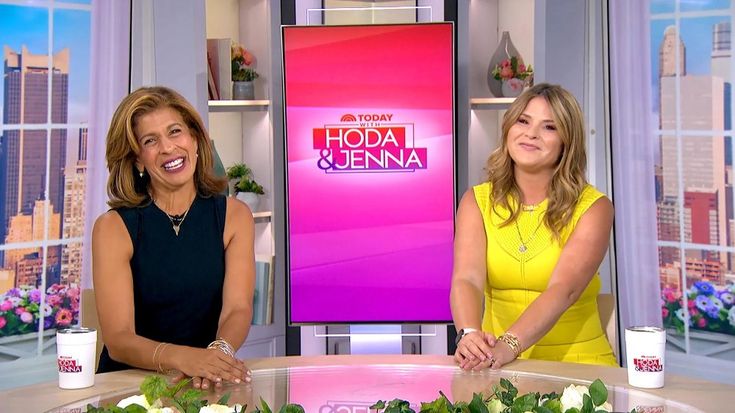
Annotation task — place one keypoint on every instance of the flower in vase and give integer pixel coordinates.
(64, 317)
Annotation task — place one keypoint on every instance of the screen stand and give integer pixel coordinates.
(376, 339)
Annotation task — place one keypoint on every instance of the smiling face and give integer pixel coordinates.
(167, 149)
(533, 140)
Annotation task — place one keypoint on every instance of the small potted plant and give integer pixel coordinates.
(242, 73)
(244, 186)
(514, 76)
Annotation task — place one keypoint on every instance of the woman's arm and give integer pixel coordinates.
(468, 283)
(579, 261)
(237, 299)
(113, 289)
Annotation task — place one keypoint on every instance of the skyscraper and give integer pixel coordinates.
(74, 187)
(23, 168)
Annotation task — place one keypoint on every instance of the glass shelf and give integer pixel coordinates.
(264, 216)
(238, 105)
(491, 103)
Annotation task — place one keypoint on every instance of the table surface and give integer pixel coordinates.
(351, 383)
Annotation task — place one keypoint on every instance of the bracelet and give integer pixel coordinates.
(155, 352)
(222, 345)
(163, 347)
(512, 341)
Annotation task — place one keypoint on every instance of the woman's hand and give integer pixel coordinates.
(474, 350)
(502, 355)
(207, 366)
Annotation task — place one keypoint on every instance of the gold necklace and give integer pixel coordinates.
(524, 244)
(176, 220)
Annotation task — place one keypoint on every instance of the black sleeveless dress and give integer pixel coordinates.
(177, 280)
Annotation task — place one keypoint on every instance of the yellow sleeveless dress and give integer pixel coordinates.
(515, 278)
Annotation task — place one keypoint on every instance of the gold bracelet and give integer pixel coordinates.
(512, 341)
(160, 368)
(158, 347)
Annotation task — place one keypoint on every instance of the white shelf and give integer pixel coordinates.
(238, 105)
(264, 216)
(491, 103)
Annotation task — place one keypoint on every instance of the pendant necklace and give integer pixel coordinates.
(177, 220)
(524, 244)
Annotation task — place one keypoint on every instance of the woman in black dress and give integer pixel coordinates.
(173, 260)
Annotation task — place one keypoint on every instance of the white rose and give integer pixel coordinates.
(139, 399)
(216, 408)
(573, 396)
(161, 410)
(605, 406)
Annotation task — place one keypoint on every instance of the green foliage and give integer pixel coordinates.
(244, 177)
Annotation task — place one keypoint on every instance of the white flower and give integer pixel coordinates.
(161, 410)
(495, 406)
(573, 396)
(605, 406)
(216, 408)
(139, 399)
(731, 316)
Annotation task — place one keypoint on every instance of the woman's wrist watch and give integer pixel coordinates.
(461, 333)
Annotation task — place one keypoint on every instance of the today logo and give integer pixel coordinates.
(368, 143)
(68, 365)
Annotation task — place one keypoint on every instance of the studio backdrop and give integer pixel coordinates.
(370, 172)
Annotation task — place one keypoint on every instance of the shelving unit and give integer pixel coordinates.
(238, 105)
(491, 103)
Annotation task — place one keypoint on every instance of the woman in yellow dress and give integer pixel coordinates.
(529, 243)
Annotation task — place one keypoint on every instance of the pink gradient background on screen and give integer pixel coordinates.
(370, 247)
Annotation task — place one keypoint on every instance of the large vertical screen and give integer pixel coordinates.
(370, 172)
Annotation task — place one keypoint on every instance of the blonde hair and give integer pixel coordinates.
(125, 187)
(568, 179)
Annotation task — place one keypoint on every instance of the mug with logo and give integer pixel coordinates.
(75, 356)
(645, 349)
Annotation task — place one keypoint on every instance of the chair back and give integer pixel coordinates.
(90, 319)
(609, 318)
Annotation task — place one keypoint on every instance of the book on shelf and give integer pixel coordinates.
(218, 52)
(212, 85)
(263, 297)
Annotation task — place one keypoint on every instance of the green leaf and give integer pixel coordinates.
(291, 408)
(542, 409)
(135, 408)
(153, 388)
(572, 410)
(525, 403)
(553, 404)
(224, 399)
(190, 396)
(598, 392)
(174, 389)
(380, 404)
(437, 406)
(264, 405)
(477, 405)
(587, 406)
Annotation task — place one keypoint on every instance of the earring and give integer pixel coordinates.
(141, 173)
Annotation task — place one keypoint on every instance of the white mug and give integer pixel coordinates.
(645, 353)
(76, 350)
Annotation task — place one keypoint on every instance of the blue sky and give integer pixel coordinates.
(29, 26)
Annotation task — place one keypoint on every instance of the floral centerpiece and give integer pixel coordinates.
(513, 74)
(21, 310)
(160, 397)
(242, 62)
(708, 307)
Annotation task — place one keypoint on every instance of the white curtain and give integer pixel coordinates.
(110, 62)
(633, 152)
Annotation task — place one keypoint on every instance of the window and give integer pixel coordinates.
(43, 141)
(691, 78)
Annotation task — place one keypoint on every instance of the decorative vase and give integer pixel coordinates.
(250, 198)
(512, 87)
(505, 50)
(243, 90)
